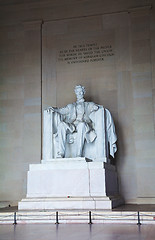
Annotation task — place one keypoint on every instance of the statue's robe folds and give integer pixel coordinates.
(100, 141)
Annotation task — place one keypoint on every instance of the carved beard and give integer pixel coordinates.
(81, 99)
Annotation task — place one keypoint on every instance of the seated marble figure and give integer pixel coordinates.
(80, 129)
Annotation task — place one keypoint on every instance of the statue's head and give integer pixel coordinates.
(79, 90)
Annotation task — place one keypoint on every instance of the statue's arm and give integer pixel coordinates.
(90, 111)
(61, 111)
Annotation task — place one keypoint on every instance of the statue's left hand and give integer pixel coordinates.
(96, 108)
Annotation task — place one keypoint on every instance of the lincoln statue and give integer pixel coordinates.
(75, 118)
(80, 129)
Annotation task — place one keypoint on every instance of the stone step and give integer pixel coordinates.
(69, 202)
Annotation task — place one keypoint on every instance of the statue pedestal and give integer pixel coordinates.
(71, 183)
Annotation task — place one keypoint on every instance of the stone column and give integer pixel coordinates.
(32, 90)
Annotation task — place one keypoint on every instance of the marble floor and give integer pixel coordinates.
(77, 232)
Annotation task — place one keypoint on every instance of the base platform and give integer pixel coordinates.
(91, 203)
(71, 183)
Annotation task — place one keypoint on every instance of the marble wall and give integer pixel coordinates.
(33, 75)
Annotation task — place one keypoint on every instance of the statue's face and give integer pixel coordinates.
(79, 93)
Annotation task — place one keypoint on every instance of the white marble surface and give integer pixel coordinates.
(78, 185)
(66, 203)
(68, 163)
(60, 182)
(97, 182)
(66, 177)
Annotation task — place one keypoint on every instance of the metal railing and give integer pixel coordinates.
(88, 216)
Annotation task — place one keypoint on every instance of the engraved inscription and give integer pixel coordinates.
(85, 53)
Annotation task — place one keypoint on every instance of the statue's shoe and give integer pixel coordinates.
(60, 155)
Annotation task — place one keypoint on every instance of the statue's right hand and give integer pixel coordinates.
(51, 109)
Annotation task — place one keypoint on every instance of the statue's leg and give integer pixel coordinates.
(62, 130)
(81, 130)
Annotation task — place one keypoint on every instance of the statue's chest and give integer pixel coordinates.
(80, 109)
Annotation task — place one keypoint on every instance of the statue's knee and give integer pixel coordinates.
(62, 125)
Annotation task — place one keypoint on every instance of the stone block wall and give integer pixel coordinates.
(32, 78)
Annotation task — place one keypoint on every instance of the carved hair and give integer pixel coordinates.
(80, 86)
